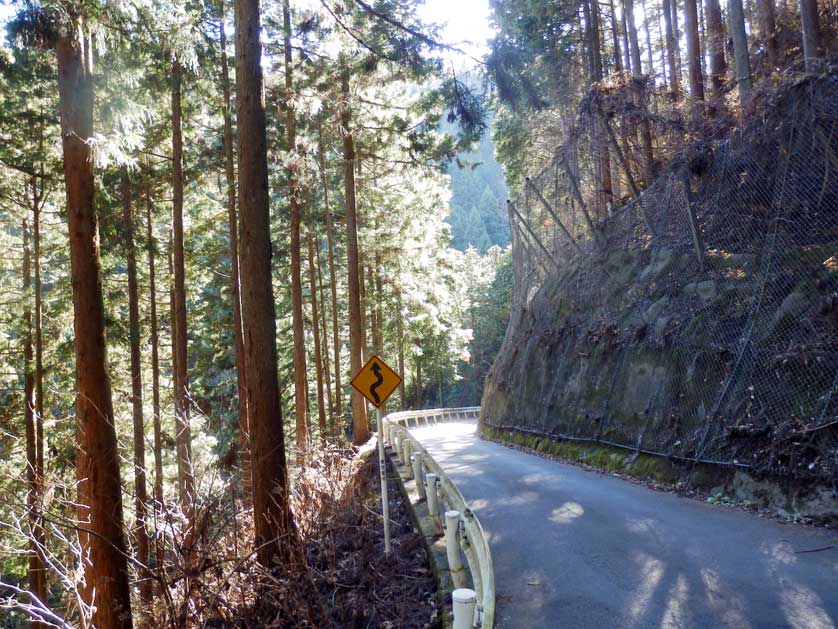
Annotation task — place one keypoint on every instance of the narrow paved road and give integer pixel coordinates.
(574, 548)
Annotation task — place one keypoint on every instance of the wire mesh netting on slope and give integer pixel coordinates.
(700, 320)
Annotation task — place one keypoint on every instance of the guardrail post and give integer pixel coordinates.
(406, 456)
(416, 462)
(465, 604)
(430, 487)
(452, 548)
(399, 440)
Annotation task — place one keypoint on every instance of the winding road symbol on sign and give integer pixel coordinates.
(376, 381)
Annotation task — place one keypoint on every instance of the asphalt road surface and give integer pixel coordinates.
(574, 548)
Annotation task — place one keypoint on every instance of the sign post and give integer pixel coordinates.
(376, 382)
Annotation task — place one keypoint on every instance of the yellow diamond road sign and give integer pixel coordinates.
(376, 381)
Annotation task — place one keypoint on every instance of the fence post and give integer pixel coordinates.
(406, 455)
(465, 604)
(416, 460)
(433, 499)
(452, 548)
(398, 443)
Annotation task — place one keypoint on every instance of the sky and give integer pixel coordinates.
(466, 23)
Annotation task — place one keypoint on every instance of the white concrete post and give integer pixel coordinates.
(398, 446)
(465, 604)
(452, 548)
(385, 503)
(406, 456)
(433, 507)
(416, 460)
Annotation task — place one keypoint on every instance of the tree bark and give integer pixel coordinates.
(140, 492)
(37, 574)
(37, 201)
(811, 32)
(324, 335)
(662, 49)
(742, 64)
(235, 298)
(716, 44)
(333, 285)
(417, 391)
(360, 422)
(615, 37)
(637, 73)
(315, 328)
(592, 16)
(673, 6)
(634, 46)
(626, 47)
(97, 460)
(300, 375)
(768, 25)
(155, 373)
(400, 322)
(273, 522)
(648, 30)
(671, 45)
(183, 432)
(693, 50)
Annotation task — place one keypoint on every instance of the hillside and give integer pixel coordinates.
(700, 321)
(478, 194)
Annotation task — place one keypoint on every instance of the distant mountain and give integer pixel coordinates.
(478, 213)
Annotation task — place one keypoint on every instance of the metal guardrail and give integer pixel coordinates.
(438, 487)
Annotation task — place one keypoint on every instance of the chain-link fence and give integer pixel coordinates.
(700, 319)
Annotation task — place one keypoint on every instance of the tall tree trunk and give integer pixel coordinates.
(235, 298)
(274, 527)
(768, 25)
(716, 39)
(315, 328)
(417, 390)
(626, 46)
(676, 31)
(183, 433)
(637, 73)
(742, 64)
(140, 493)
(155, 373)
(324, 335)
(605, 192)
(693, 50)
(400, 322)
(811, 32)
(37, 201)
(97, 459)
(300, 375)
(333, 285)
(671, 47)
(634, 46)
(615, 35)
(379, 312)
(647, 28)
(591, 9)
(702, 42)
(662, 48)
(360, 423)
(37, 575)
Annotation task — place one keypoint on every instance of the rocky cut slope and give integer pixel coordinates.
(701, 322)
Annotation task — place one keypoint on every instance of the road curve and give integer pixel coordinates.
(574, 548)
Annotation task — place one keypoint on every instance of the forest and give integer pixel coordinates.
(212, 213)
